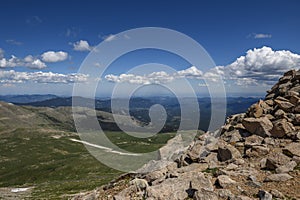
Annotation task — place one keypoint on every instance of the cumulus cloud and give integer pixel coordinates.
(260, 65)
(51, 56)
(259, 35)
(28, 61)
(154, 77)
(32, 62)
(11, 76)
(191, 72)
(82, 45)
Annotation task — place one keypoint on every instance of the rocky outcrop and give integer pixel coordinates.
(256, 156)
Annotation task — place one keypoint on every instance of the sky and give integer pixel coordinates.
(44, 43)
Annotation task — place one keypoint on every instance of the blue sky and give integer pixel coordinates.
(226, 29)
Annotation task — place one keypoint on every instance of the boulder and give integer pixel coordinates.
(172, 149)
(178, 188)
(266, 107)
(291, 73)
(277, 194)
(253, 140)
(291, 93)
(275, 160)
(232, 136)
(297, 109)
(152, 176)
(199, 167)
(285, 105)
(279, 114)
(225, 181)
(258, 126)
(264, 195)
(281, 128)
(296, 120)
(212, 160)
(278, 178)
(259, 151)
(286, 168)
(232, 166)
(253, 182)
(292, 149)
(294, 99)
(227, 152)
(242, 198)
(285, 79)
(269, 102)
(205, 194)
(255, 110)
(225, 194)
(295, 89)
(196, 150)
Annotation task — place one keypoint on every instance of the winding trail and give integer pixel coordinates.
(109, 150)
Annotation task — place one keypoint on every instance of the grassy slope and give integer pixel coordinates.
(59, 166)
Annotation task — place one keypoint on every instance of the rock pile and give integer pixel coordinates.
(257, 156)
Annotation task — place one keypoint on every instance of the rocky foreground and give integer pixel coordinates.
(257, 156)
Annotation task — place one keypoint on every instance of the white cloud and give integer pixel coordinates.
(82, 45)
(29, 58)
(36, 64)
(51, 56)
(192, 72)
(31, 61)
(28, 61)
(262, 65)
(11, 76)
(259, 35)
(154, 77)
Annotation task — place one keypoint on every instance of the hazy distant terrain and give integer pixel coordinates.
(139, 107)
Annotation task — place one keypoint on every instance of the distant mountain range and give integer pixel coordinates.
(138, 106)
(23, 99)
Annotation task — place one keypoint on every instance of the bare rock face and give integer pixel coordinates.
(258, 126)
